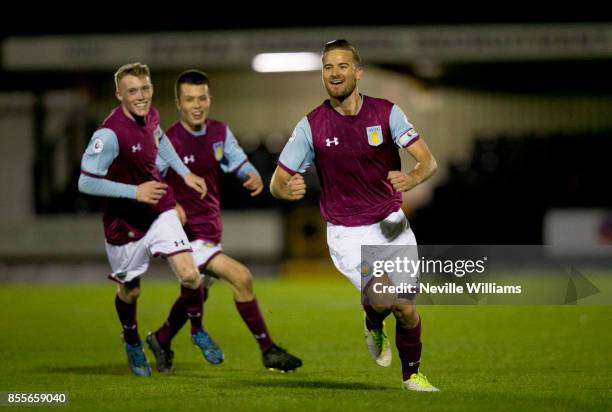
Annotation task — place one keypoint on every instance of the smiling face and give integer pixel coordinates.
(135, 93)
(340, 73)
(193, 101)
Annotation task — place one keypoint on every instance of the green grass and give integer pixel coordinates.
(66, 338)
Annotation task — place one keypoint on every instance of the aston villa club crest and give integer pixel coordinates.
(375, 135)
(218, 150)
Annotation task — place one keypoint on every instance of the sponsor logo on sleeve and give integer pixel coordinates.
(98, 146)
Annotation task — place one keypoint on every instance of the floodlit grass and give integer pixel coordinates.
(66, 338)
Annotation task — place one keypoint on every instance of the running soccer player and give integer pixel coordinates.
(208, 147)
(353, 141)
(139, 214)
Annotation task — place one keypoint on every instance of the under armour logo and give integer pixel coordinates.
(178, 243)
(188, 159)
(414, 363)
(260, 337)
(329, 142)
(136, 148)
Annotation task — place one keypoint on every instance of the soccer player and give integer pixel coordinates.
(353, 140)
(208, 147)
(139, 213)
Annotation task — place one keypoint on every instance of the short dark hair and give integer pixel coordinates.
(192, 76)
(342, 44)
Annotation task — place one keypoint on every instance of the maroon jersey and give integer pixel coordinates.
(353, 156)
(203, 155)
(127, 220)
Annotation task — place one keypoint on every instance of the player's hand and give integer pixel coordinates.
(181, 213)
(196, 183)
(296, 188)
(400, 180)
(150, 192)
(253, 183)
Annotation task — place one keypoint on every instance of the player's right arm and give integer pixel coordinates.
(167, 157)
(99, 155)
(287, 187)
(287, 182)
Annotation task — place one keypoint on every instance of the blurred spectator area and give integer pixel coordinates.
(517, 135)
(503, 192)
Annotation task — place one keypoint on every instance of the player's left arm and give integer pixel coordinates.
(236, 161)
(162, 165)
(168, 155)
(409, 139)
(425, 167)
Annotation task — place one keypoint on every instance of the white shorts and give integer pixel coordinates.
(345, 242)
(165, 237)
(203, 253)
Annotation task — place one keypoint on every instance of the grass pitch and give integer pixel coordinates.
(66, 338)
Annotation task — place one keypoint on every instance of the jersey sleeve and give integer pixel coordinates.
(103, 187)
(167, 156)
(99, 155)
(298, 153)
(233, 155)
(102, 149)
(161, 163)
(247, 167)
(402, 131)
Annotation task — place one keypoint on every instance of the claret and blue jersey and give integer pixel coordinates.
(121, 155)
(208, 152)
(353, 156)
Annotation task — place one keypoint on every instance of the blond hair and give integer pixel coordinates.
(135, 69)
(342, 44)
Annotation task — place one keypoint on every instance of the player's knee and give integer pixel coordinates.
(134, 293)
(406, 312)
(187, 272)
(190, 277)
(243, 279)
(191, 282)
(380, 308)
(129, 291)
